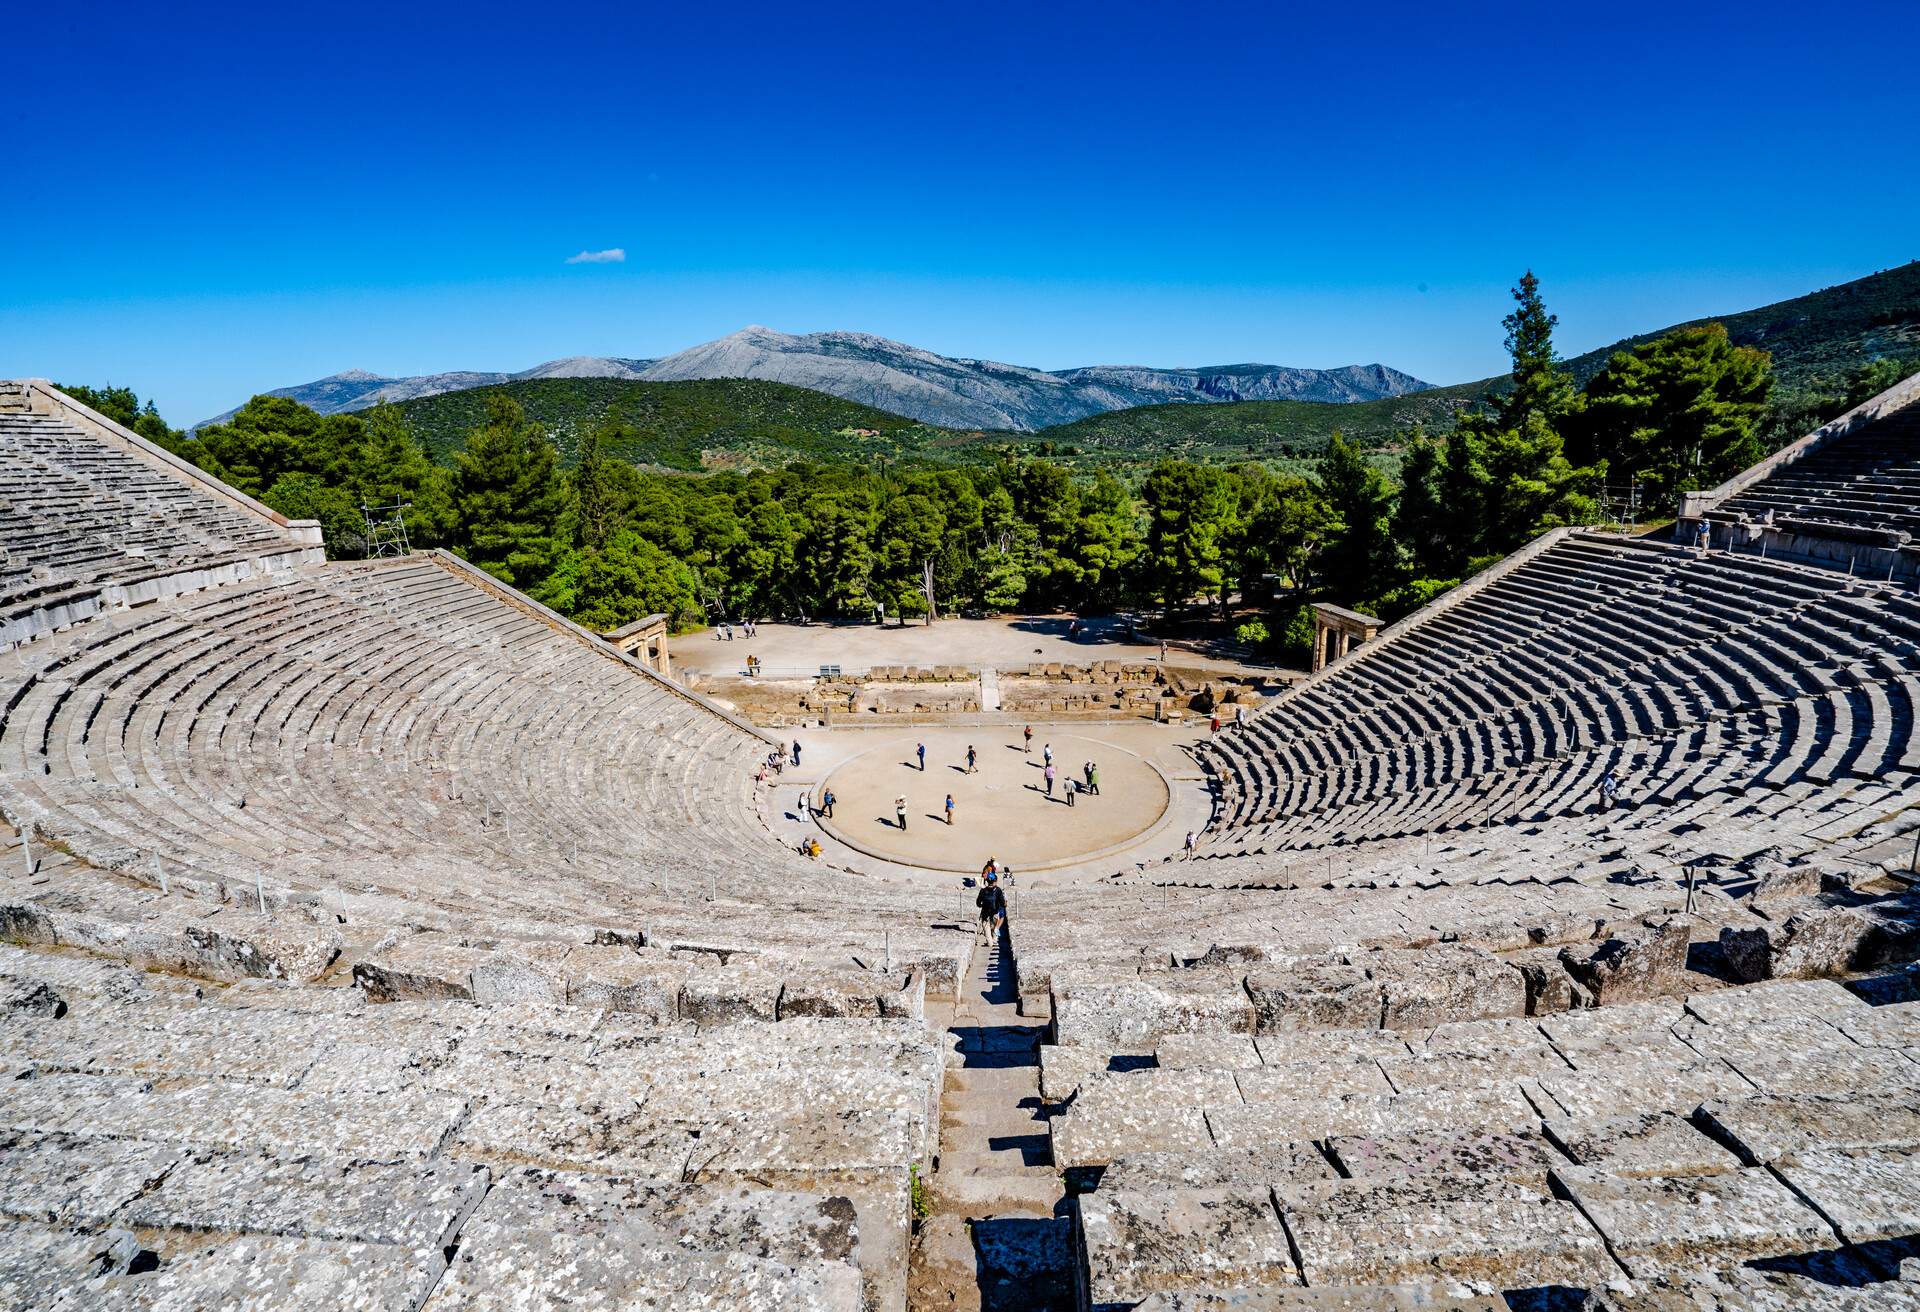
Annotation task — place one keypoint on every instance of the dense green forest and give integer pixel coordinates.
(859, 527)
(711, 423)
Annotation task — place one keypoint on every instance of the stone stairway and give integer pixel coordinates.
(998, 1238)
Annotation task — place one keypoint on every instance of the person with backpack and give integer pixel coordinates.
(993, 908)
(826, 803)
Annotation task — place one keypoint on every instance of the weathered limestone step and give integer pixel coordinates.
(992, 1189)
(995, 1264)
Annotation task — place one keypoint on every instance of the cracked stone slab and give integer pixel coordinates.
(1286, 1168)
(1735, 1039)
(1137, 1243)
(1444, 983)
(1490, 1235)
(615, 1269)
(1286, 1047)
(1694, 1222)
(411, 1206)
(1776, 1000)
(1455, 1070)
(1866, 1195)
(1344, 1298)
(1095, 1136)
(70, 1180)
(810, 1149)
(504, 1133)
(260, 1273)
(1064, 1065)
(400, 1126)
(1310, 1079)
(1479, 1038)
(1896, 1025)
(1254, 1124)
(1640, 1086)
(39, 1264)
(1848, 1069)
(1133, 1013)
(49, 1103)
(1472, 1154)
(156, 1053)
(830, 993)
(739, 991)
(1315, 996)
(419, 971)
(1650, 1143)
(1210, 1051)
(1765, 1128)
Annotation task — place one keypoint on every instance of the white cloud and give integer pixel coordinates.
(613, 255)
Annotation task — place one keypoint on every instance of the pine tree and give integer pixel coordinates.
(509, 497)
(1359, 558)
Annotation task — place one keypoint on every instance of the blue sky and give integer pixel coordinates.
(202, 203)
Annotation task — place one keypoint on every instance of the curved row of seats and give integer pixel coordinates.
(1691, 674)
(1866, 479)
(77, 513)
(384, 725)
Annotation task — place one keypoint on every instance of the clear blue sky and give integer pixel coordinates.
(201, 204)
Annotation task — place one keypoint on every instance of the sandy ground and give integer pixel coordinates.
(788, 650)
(1002, 810)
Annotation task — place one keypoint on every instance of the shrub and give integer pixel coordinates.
(1252, 634)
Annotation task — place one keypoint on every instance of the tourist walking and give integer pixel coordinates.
(796, 751)
(1093, 779)
(826, 803)
(900, 812)
(1609, 790)
(949, 810)
(1192, 843)
(920, 750)
(1703, 537)
(1072, 789)
(1046, 755)
(993, 905)
(806, 802)
(1047, 774)
(990, 871)
(973, 758)
(1213, 724)
(1027, 746)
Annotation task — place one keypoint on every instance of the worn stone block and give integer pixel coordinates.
(1214, 1051)
(508, 1134)
(1316, 996)
(1764, 1128)
(1649, 1143)
(1286, 1168)
(737, 992)
(1647, 963)
(1133, 1013)
(1468, 1154)
(74, 1180)
(1780, 999)
(835, 993)
(1548, 986)
(1626, 1086)
(1693, 1222)
(264, 1273)
(616, 979)
(1094, 1136)
(1814, 943)
(1867, 1195)
(1137, 1243)
(415, 971)
(1316, 1079)
(415, 1206)
(1443, 983)
(243, 945)
(1064, 1065)
(1497, 1235)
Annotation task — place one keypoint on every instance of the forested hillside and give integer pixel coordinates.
(703, 424)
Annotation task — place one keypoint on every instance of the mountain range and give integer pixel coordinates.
(935, 389)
